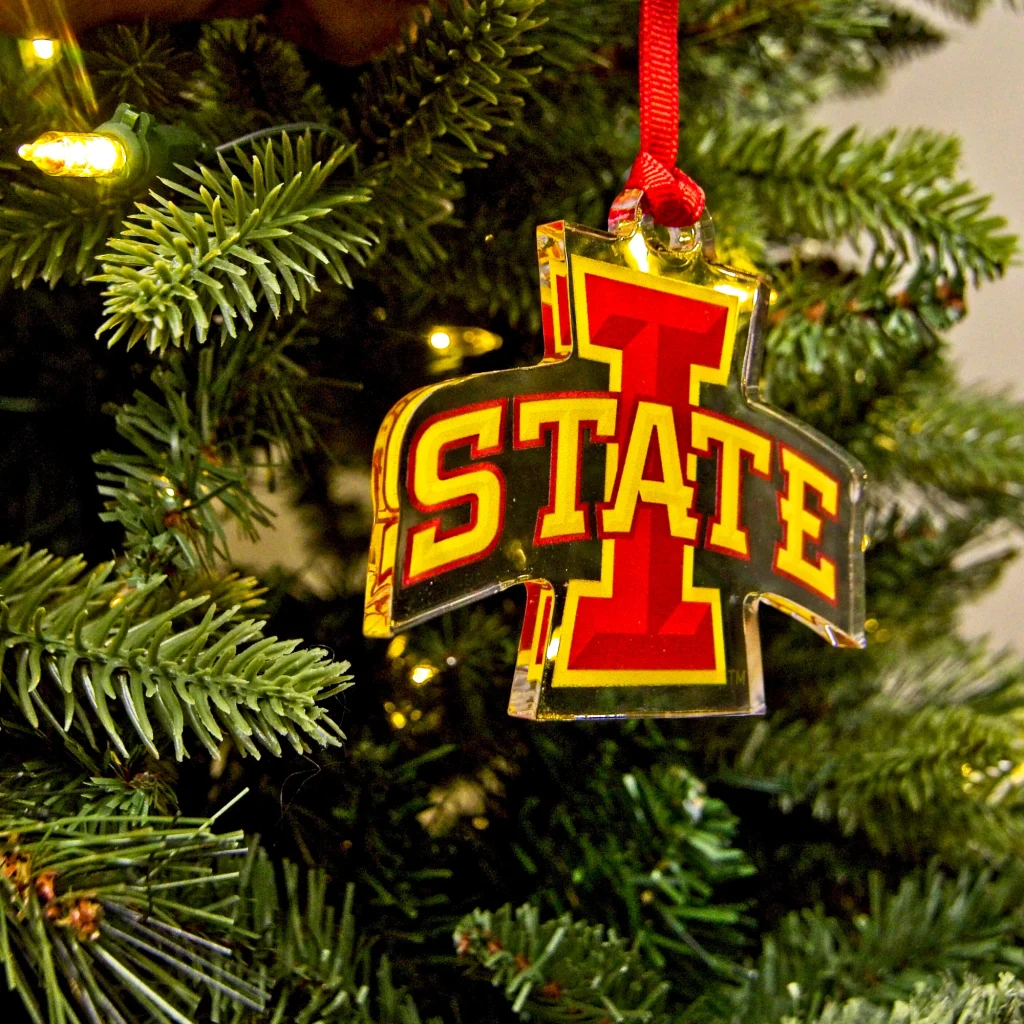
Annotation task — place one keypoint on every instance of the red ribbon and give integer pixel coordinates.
(674, 199)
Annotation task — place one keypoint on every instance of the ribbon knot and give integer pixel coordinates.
(673, 198)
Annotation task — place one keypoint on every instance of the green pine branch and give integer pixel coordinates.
(251, 79)
(176, 270)
(560, 970)
(435, 107)
(171, 498)
(80, 658)
(930, 926)
(211, 417)
(227, 247)
(916, 769)
(923, 568)
(116, 917)
(769, 58)
(899, 192)
(226, 590)
(441, 95)
(134, 788)
(573, 126)
(308, 955)
(839, 339)
(965, 444)
(147, 68)
(52, 229)
(41, 219)
(951, 672)
(972, 1002)
(658, 876)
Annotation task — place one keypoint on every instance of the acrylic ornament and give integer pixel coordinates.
(632, 481)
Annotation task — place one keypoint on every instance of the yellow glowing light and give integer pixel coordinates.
(552, 651)
(44, 49)
(440, 340)
(76, 154)
(638, 250)
(398, 720)
(397, 646)
(478, 341)
(423, 674)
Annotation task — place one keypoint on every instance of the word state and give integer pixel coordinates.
(633, 482)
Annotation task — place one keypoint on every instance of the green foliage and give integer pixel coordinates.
(51, 229)
(308, 955)
(915, 767)
(175, 268)
(141, 66)
(922, 568)
(479, 647)
(899, 192)
(109, 914)
(863, 329)
(930, 926)
(169, 497)
(430, 109)
(251, 79)
(136, 788)
(556, 160)
(572, 128)
(459, 82)
(965, 444)
(764, 58)
(656, 878)
(971, 1002)
(377, 810)
(77, 652)
(560, 970)
(216, 414)
(226, 247)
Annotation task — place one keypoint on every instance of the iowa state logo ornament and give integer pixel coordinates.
(632, 482)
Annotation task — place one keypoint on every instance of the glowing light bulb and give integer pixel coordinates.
(76, 154)
(422, 674)
(38, 53)
(440, 340)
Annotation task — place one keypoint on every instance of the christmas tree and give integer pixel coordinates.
(205, 818)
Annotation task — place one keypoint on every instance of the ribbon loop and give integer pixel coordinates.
(673, 198)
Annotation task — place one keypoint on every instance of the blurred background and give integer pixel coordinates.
(974, 88)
